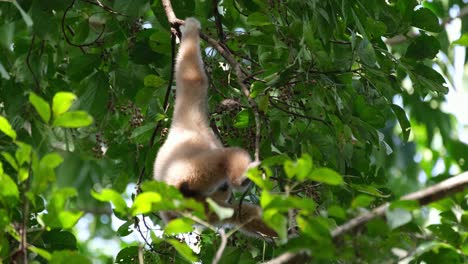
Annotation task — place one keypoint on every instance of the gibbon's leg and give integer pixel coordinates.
(249, 220)
(212, 168)
(192, 83)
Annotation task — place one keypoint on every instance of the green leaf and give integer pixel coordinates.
(183, 250)
(6, 128)
(362, 201)
(423, 47)
(402, 120)
(41, 252)
(277, 222)
(23, 153)
(337, 212)
(51, 160)
(368, 189)
(41, 106)
(23, 174)
(423, 18)
(69, 257)
(446, 233)
(27, 19)
(59, 240)
(462, 41)
(397, 217)
(425, 78)
(304, 166)
(242, 119)
(109, 195)
(326, 175)
(316, 228)
(82, 66)
(147, 202)
(258, 19)
(9, 188)
(7, 156)
(125, 230)
(178, 226)
(221, 212)
(3, 72)
(73, 119)
(128, 255)
(256, 176)
(61, 102)
(154, 81)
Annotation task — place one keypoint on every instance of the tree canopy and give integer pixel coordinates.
(341, 100)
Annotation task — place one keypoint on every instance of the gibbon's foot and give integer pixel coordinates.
(191, 25)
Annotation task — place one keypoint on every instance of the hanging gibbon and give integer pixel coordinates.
(192, 158)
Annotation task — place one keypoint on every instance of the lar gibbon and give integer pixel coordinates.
(192, 158)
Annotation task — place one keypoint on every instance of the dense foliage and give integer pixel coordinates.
(348, 95)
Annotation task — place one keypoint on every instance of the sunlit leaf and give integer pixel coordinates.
(179, 225)
(183, 250)
(73, 119)
(41, 106)
(9, 158)
(9, 187)
(147, 202)
(109, 195)
(6, 128)
(61, 102)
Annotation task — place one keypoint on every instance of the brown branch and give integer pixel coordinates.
(171, 17)
(218, 22)
(425, 196)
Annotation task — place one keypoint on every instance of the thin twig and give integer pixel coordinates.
(105, 7)
(28, 63)
(65, 34)
(221, 248)
(218, 21)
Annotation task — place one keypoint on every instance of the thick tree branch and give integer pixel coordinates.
(430, 194)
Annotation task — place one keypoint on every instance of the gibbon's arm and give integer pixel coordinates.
(192, 83)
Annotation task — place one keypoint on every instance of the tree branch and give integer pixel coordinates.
(222, 246)
(425, 196)
(28, 63)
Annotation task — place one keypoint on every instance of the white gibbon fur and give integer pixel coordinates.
(192, 158)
